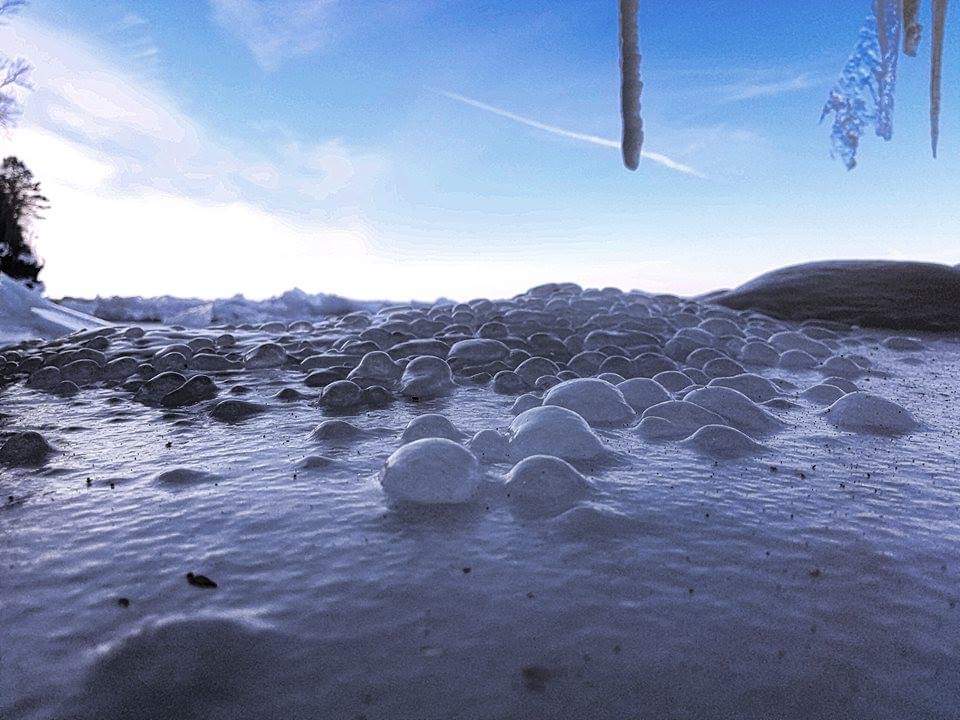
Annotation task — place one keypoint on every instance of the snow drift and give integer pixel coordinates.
(872, 293)
(25, 314)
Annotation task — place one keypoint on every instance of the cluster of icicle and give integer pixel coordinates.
(863, 96)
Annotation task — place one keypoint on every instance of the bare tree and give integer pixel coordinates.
(14, 73)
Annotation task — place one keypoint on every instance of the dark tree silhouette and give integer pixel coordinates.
(21, 202)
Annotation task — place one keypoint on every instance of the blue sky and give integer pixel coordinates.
(210, 147)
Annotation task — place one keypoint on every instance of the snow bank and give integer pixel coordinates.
(193, 312)
(874, 293)
(25, 314)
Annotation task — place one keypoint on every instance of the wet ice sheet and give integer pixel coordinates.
(817, 580)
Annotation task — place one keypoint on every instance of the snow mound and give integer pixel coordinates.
(553, 430)
(426, 377)
(188, 669)
(675, 420)
(642, 393)
(26, 315)
(866, 413)
(25, 449)
(874, 293)
(432, 471)
(545, 484)
(736, 409)
(722, 442)
(430, 425)
(596, 401)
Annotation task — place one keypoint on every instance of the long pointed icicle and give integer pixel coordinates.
(911, 27)
(936, 70)
(630, 83)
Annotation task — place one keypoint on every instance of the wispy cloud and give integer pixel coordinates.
(751, 90)
(658, 158)
(275, 30)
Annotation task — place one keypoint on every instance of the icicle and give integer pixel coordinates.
(911, 27)
(936, 70)
(630, 83)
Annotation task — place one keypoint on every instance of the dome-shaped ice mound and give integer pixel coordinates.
(755, 387)
(430, 425)
(266, 355)
(432, 471)
(596, 401)
(524, 403)
(546, 483)
(189, 669)
(736, 409)
(335, 430)
(479, 351)
(426, 377)
(723, 442)
(757, 352)
(231, 411)
(798, 360)
(376, 365)
(792, 340)
(553, 430)
(679, 419)
(490, 447)
(867, 413)
(822, 394)
(641, 393)
(24, 449)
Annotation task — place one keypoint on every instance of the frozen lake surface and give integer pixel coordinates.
(813, 575)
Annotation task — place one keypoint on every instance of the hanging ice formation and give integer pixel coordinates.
(630, 84)
(863, 97)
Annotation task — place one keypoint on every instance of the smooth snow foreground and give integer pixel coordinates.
(572, 504)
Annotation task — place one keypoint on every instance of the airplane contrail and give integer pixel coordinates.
(658, 158)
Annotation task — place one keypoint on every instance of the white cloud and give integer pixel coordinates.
(274, 30)
(754, 89)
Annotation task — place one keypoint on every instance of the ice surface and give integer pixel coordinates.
(808, 574)
(26, 314)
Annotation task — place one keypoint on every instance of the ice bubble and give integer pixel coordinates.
(586, 363)
(841, 367)
(792, 340)
(335, 430)
(611, 378)
(759, 353)
(490, 446)
(211, 362)
(642, 393)
(189, 669)
(235, 410)
(529, 370)
(426, 377)
(24, 449)
(184, 476)
(755, 387)
(431, 471)
(650, 364)
(823, 394)
(172, 361)
(478, 351)
(596, 401)
(196, 389)
(545, 484)
(848, 386)
(507, 382)
(673, 380)
(376, 396)
(722, 442)
(376, 365)
(906, 344)
(798, 360)
(265, 355)
(341, 394)
(722, 367)
(682, 420)
(866, 413)
(82, 372)
(525, 402)
(736, 409)
(430, 425)
(553, 430)
(45, 378)
(120, 368)
(159, 385)
(699, 358)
